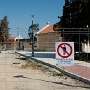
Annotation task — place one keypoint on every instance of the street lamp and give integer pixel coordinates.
(31, 32)
(32, 37)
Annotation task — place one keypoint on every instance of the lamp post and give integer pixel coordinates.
(32, 37)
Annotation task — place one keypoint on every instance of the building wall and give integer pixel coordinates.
(11, 45)
(21, 44)
(46, 42)
(86, 48)
(24, 44)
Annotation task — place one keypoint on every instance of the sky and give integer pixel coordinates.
(19, 13)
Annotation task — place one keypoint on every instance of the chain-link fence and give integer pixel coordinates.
(16, 75)
(46, 41)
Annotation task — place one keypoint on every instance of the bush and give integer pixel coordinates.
(82, 56)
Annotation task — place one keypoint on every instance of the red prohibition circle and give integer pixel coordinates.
(60, 46)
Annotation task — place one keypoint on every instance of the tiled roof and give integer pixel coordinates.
(47, 29)
(12, 38)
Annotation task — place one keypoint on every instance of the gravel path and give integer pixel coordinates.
(17, 73)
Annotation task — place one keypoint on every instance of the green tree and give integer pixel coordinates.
(75, 16)
(4, 31)
(35, 28)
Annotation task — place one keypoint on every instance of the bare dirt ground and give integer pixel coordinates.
(17, 73)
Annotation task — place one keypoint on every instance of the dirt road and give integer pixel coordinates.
(17, 73)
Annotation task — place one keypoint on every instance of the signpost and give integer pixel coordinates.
(64, 53)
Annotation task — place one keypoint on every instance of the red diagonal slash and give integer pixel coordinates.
(68, 54)
(65, 50)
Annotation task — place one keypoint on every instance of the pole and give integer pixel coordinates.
(18, 39)
(79, 41)
(32, 38)
(18, 43)
(63, 34)
(88, 42)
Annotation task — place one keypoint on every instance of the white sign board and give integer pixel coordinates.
(64, 53)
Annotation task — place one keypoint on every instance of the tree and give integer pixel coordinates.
(4, 30)
(75, 18)
(35, 28)
(75, 14)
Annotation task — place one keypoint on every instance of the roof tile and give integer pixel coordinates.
(47, 30)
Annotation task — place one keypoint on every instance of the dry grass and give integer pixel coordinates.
(37, 66)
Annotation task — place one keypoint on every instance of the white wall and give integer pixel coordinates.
(86, 48)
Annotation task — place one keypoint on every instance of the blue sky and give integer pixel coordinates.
(19, 13)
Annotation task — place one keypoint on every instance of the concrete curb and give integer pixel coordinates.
(72, 75)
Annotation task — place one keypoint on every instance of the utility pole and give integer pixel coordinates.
(32, 37)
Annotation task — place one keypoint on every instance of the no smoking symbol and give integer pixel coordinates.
(64, 50)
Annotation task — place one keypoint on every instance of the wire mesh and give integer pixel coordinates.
(16, 74)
